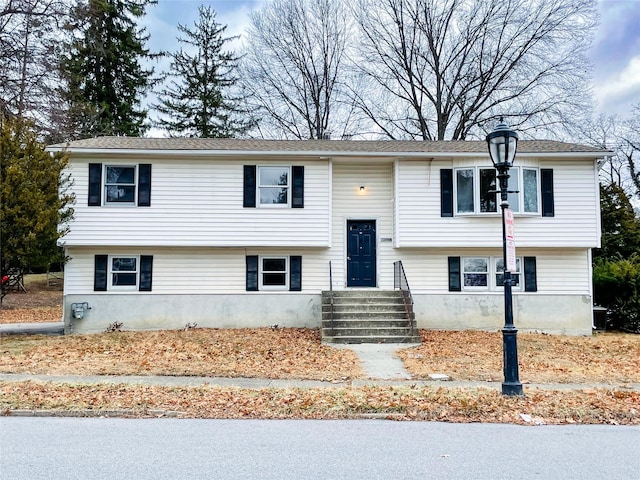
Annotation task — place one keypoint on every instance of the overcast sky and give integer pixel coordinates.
(615, 52)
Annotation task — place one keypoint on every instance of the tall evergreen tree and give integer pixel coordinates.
(620, 225)
(198, 101)
(35, 204)
(105, 79)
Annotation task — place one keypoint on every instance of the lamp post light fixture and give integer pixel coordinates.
(502, 143)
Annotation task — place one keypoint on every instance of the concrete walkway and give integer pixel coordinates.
(379, 360)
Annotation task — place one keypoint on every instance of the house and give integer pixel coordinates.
(247, 233)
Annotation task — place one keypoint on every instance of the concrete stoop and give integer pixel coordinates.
(366, 316)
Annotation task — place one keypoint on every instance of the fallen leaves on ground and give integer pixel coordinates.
(589, 406)
(261, 352)
(39, 304)
(472, 355)
(31, 315)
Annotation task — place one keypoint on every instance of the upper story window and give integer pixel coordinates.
(128, 185)
(475, 191)
(120, 184)
(273, 186)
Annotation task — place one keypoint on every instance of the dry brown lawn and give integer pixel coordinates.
(41, 303)
(601, 358)
(609, 358)
(587, 406)
(262, 352)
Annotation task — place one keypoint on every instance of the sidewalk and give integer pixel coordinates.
(261, 383)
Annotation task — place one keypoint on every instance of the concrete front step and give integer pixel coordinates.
(363, 306)
(370, 339)
(391, 300)
(365, 315)
(363, 331)
(362, 293)
(365, 323)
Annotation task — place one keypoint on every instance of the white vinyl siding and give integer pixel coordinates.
(206, 271)
(419, 222)
(200, 203)
(375, 202)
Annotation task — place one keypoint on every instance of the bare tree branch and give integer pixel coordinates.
(294, 68)
(458, 64)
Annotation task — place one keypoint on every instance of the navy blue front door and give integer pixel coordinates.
(361, 253)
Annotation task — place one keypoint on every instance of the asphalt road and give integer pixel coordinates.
(102, 448)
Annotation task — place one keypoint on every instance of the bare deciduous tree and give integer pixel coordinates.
(29, 35)
(442, 69)
(631, 147)
(293, 67)
(621, 136)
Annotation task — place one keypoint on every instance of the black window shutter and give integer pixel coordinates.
(146, 272)
(249, 186)
(297, 199)
(546, 175)
(295, 273)
(530, 278)
(100, 273)
(454, 274)
(144, 185)
(446, 192)
(95, 184)
(252, 273)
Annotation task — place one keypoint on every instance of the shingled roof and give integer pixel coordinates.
(315, 146)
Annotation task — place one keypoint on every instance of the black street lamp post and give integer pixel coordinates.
(502, 143)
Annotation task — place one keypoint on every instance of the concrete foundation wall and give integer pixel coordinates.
(146, 312)
(557, 314)
(566, 314)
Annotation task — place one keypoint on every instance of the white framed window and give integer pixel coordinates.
(120, 184)
(499, 274)
(273, 273)
(124, 272)
(475, 189)
(476, 273)
(274, 186)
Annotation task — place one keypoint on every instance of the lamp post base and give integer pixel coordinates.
(511, 384)
(512, 389)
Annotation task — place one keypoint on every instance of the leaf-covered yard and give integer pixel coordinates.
(263, 352)
(602, 358)
(609, 358)
(400, 403)
(297, 353)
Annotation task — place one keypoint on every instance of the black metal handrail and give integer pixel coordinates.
(330, 299)
(400, 283)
